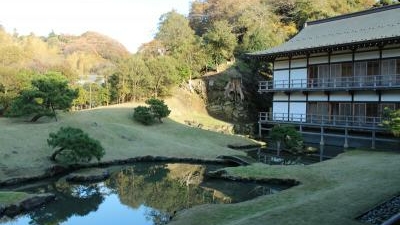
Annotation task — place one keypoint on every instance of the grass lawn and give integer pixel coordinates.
(11, 197)
(331, 192)
(24, 150)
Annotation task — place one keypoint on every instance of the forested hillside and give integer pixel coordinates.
(214, 32)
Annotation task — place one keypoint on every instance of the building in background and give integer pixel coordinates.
(335, 77)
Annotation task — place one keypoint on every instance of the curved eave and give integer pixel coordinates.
(330, 48)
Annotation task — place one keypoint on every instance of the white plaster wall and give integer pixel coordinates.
(297, 97)
(319, 96)
(298, 63)
(390, 53)
(281, 79)
(341, 58)
(297, 111)
(340, 97)
(366, 55)
(298, 78)
(366, 97)
(281, 64)
(317, 60)
(280, 110)
(280, 97)
(390, 96)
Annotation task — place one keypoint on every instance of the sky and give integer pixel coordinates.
(131, 22)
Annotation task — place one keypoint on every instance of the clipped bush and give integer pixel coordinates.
(146, 115)
(158, 108)
(73, 145)
(143, 115)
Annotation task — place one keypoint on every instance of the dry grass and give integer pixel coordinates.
(332, 192)
(24, 150)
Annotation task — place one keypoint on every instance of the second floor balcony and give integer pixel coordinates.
(368, 82)
(334, 121)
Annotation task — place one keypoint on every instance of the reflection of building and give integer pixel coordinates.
(338, 73)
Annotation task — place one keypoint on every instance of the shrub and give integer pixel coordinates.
(74, 145)
(289, 136)
(143, 115)
(158, 108)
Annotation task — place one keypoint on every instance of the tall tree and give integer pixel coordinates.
(137, 76)
(198, 17)
(220, 41)
(175, 33)
(180, 42)
(164, 74)
(262, 29)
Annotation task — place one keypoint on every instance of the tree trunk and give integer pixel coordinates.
(54, 112)
(278, 147)
(54, 155)
(36, 117)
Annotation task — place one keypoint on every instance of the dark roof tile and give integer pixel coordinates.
(370, 25)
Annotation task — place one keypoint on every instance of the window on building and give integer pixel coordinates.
(323, 75)
(398, 66)
(372, 68)
(388, 72)
(312, 76)
(345, 112)
(360, 69)
(372, 109)
(365, 73)
(359, 112)
(336, 73)
(347, 69)
(317, 112)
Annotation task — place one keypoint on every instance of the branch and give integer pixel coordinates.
(54, 155)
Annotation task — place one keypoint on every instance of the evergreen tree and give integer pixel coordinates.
(49, 93)
(74, 145)
(158, 108)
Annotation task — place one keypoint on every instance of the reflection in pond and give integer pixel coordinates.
(139, 194)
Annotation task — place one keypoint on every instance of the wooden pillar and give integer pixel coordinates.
(346, 135)
(322, 137)
(373, 139)
(259, 129)
(321, 153)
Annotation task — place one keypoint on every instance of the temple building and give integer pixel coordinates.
(336, 77)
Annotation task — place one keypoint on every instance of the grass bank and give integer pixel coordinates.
(24, 150)
(331, 192)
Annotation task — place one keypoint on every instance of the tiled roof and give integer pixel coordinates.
(361, 27)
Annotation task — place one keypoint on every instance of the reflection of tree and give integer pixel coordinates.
(158, 217)
(76, 200)
(165, 188)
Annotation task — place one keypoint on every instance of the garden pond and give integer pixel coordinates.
(143, 193)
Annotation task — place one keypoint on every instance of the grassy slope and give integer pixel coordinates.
(24, 151)
(12, 197)
(332, 192)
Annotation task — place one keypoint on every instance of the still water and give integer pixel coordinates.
(140, 194)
